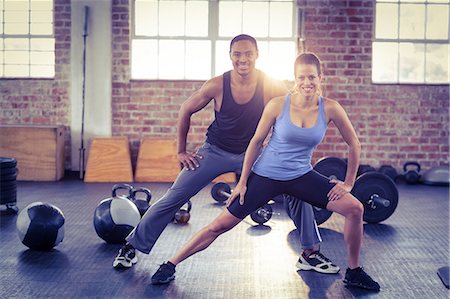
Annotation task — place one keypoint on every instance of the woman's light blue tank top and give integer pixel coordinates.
(288, 154)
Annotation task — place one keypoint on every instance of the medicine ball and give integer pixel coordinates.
(40, 226)
(115, 218)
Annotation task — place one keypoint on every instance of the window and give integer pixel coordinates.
(26, 39)
(190, 39)
(411, 43)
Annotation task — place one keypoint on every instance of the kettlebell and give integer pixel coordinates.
(183, 215)
(411, 175)
(116, 187)
(141, 204)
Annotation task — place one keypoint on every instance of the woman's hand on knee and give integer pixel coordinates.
(339, 189)
(239, 191)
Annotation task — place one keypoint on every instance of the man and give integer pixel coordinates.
(239, 98)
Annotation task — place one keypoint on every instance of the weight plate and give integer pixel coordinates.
(388, 170)
(7, 162)
(216, 191)
(8, 171)
(373, 184)
(332, 167)
(8, 185)
(8, 178)
(363, 168)
(262, 214)
(321, 215)
(9, 197)
(8, 188)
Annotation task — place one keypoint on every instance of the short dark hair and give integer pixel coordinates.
(308, 58)
(244, 37)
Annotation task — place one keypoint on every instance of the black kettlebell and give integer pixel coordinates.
(142, 204)
(116, 187)
(412, 174)
(183, 215)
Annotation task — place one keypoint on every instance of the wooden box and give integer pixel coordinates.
(39, 151)
(109, 160)
(157, 161)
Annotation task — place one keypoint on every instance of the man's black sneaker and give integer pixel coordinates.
(359, 278)
(126, 257)
(318, 262)
(165, 274)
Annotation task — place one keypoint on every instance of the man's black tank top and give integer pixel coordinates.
(235, 124)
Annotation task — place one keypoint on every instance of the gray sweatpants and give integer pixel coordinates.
(188, 183)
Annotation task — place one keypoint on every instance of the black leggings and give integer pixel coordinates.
(312, 187)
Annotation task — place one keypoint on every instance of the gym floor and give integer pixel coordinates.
(403, 253)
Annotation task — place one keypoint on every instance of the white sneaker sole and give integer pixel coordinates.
(120, 263)
(320, 270)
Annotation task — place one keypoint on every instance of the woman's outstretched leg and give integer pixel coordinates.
(352, 209)
(200, 241)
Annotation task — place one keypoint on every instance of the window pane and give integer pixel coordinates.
(384, 62)
(256, 18)
(386, 21)
(16, 44)
(281, 67)
(223, 62)
(280, 19)
(16, 28)
(171, 59)
(16, 70)
(412, 21)
(197, 18)
(171, 18)
(437, 22)
(42, 44)
(16, 57)
(42, 71)
(437, 67)
(41, 4)
(17, 16)
(42, 58)
(41, 28)
(144, 62)
(230, 18)
(17, 5)
(412, 63)
(41, 16)
(198, 59)
(146, 18)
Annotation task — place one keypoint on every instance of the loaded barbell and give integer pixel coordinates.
(376, 191)
(222, 191)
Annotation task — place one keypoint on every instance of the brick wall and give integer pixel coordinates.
(43, 101)
(395, 123)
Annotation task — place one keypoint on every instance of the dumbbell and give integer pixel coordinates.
(222, 191)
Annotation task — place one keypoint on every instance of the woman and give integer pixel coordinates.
(298, 122)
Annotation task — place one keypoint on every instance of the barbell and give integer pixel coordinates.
(222, 191)
(376, 191)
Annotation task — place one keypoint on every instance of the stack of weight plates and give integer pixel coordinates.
(8, 185)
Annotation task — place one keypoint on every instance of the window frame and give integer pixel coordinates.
(212, 36)
(29, 37)
(398, 41)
